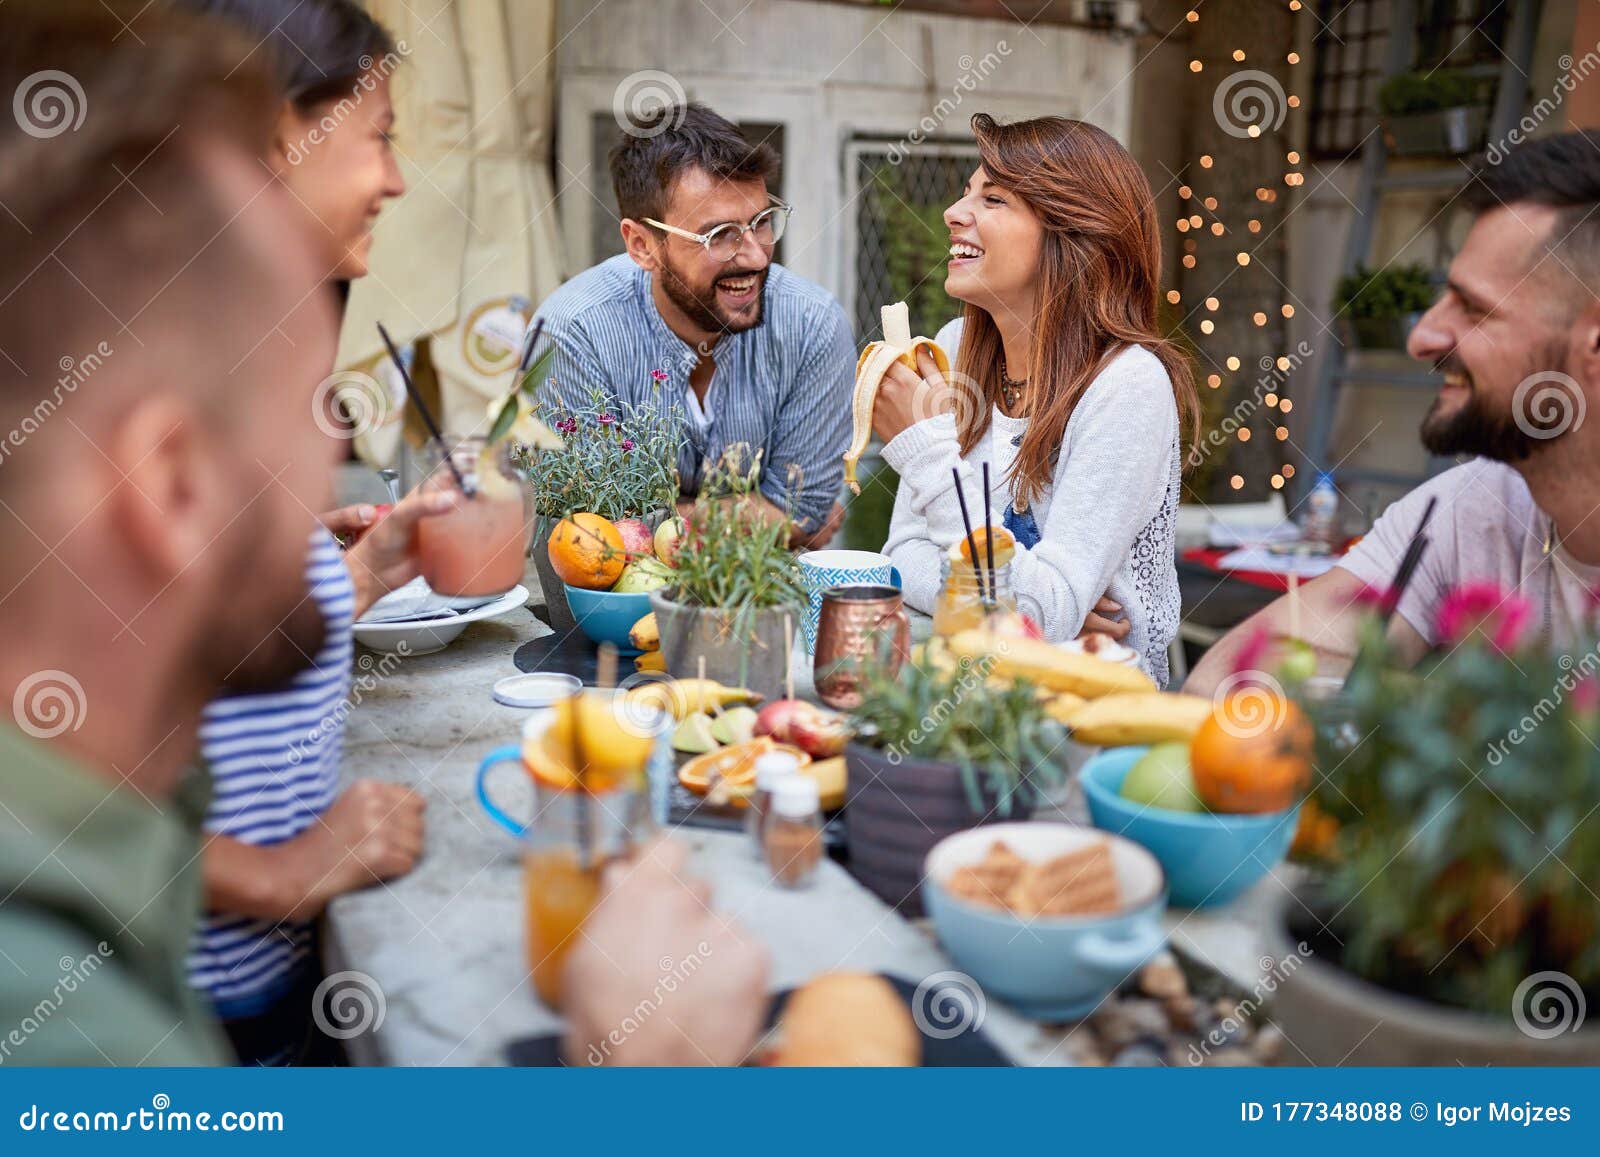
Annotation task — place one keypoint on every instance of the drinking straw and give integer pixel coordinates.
(527, 350)
(422, 408)
(966, 519)
(988, 534)
(1408, 563)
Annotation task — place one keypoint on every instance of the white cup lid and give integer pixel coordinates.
(774, 766)
(796, 797)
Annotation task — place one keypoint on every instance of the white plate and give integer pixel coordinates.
(423, 638)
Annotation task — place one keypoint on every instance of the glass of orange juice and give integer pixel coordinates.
(479, 549)
(588, 758)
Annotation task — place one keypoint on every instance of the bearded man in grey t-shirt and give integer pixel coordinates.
(1516, 336)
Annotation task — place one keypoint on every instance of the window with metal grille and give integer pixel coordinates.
(605, 239)
(1351, 45)
(898, 241)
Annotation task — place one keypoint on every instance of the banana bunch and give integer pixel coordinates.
(1045, 665)
(897, 346)
(682, 698)
(1119, 720)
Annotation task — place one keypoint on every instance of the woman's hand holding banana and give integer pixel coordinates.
(906, 397)
(893, 366)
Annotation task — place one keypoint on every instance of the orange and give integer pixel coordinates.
(1004, 545)
(615, 755)
(586, 551)
(1315, 834)
(735, 765)
(1253, 755)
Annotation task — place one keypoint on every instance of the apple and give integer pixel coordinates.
(636, 538)
(669, 535)
(1162, 779)
(818, 732)
(641, 575)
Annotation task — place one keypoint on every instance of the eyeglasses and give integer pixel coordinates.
(724, 242)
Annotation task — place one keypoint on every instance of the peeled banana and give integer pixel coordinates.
(1139, 717)
(1037, 662)
(683, 697)
(897, 346)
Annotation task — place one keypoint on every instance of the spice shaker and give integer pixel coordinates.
(770, 769)
(792, 835)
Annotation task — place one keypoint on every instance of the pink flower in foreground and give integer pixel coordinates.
(1371, 596)
(1483, 607)
(1253, 652)
(627, 443)
(659, 375)
(1586, 695)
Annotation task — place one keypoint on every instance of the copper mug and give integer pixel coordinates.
(859, 623)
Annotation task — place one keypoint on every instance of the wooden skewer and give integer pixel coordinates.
(1294, 605)
(788, 657)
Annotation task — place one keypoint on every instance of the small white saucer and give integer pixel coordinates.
(536, 689)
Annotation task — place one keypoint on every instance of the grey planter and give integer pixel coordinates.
(1336, 1018)
(896, 811)
(740, 648)
(1447, 132)
(1380, 333)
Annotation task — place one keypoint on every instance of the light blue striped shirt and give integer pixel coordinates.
(783, 387)
(274, 760)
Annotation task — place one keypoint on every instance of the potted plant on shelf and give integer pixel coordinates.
(1437, 112)
(619, 461)
(1381, 306)
(1452, 914)
(735, 585)
(938, 749)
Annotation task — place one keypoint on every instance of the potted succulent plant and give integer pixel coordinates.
(619, 461)
(736, 592)
(1380, 306)
(1433, 112)
(938, 749)
(1452, 914)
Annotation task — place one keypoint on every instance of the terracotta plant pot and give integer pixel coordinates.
(741, 648)
(897, 810)
(1334, 1017)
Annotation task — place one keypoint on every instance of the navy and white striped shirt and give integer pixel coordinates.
(274, 760)
(783, 387)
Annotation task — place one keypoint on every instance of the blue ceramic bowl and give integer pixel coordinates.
(1052, 968)
(607, 617)
(1209, 859)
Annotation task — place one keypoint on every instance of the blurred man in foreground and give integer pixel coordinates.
(164, 328)
(1517, 337)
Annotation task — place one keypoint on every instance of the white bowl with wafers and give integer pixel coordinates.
(1050, 918)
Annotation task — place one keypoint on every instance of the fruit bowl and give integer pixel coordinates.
(1208, 858)
(607, 616)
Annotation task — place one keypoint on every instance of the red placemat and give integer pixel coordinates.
(1209, 558)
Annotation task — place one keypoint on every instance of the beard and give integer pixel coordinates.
(700, 305)
(1483, 426)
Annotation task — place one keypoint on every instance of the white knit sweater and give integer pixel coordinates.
(1106, 521)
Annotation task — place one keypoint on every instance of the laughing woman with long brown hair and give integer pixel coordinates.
(1063, 384)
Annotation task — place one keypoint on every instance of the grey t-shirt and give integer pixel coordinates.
(1486, 528)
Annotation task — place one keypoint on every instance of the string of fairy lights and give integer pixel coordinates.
(1193, 224)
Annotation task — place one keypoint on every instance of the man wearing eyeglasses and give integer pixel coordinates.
(697, 318)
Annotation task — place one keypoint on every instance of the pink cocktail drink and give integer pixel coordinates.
(481, 547)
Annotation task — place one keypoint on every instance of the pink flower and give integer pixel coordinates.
(1253, 653)
(1586, 695)
(627, 443)
(607, 419)
(1484, 608)
(567, 426)
(659, 375)
(1374, 597)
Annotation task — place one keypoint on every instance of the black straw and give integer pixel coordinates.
(988, 537)
(422, 408)
(1408, 563)
(527, 350)
(972, 545)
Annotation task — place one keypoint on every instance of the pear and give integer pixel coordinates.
(694, 736)
(735, 725)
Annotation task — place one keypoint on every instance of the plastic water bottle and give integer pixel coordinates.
(1321, 522)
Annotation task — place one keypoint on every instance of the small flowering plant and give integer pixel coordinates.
(1462, 795)
(619, 460)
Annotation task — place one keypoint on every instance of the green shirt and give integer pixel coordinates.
(99, 894)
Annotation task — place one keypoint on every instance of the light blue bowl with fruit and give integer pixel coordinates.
(608, 616)
(1208, 858)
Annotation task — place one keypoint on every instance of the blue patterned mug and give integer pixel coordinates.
(821, 569)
